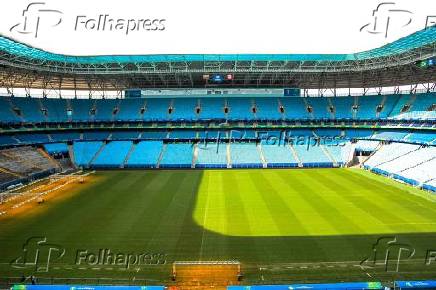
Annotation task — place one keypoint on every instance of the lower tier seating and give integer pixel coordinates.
(177, 155)
(84, 152)
(112, 154)
(22, 164)
(145, 154)
(413, 164)
(213, 155)
(279, 156)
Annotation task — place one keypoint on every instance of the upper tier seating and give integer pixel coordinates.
(157, 110)
(267, 109)
(320, 108)
(414, 107)
(240, 109)
(56, 109)
(19, 109)
(184, 109)
(212, 108)
(30, 109)
(7, 115)
(130, 109)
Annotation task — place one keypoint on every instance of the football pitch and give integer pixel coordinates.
(297, 225)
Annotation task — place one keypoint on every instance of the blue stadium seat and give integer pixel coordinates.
(80, 110)
(85, 151)
(278, 155)
(130, 109)
(245, 155)
(70, 136)
(55, 148)
(267, 109)
(97, 135)
(295, 108)
(240, 109)
(32, 138)
(31, 109)
(156, 110)
(145, 154)
(211, 108)
(184, 109)
(125, 135)
(105, 109)
(212, 155)
(113, 154)
(177, 155)
(56, 109)
(6, 113)
(182, 134)
(312, 156)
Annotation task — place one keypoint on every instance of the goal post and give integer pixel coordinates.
(216, 271)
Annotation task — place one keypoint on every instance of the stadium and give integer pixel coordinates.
(219, 171)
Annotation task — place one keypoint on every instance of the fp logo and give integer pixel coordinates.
(36, 16)
(386, 15)
(388, 253)
(37, 253)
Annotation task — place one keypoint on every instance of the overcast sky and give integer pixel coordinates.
(226, 26)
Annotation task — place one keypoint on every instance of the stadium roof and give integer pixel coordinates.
(393, 64)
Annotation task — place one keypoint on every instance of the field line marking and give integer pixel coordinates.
(206, 208)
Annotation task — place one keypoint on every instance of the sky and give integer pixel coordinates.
(212, 27)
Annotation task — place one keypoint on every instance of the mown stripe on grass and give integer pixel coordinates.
(328, 208)
(169, 227)
(399, 199)
(365, 202)
(314, 222)
(288, 221)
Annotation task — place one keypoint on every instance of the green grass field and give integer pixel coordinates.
(282, 225)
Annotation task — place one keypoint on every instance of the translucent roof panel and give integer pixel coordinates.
(413, 41)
